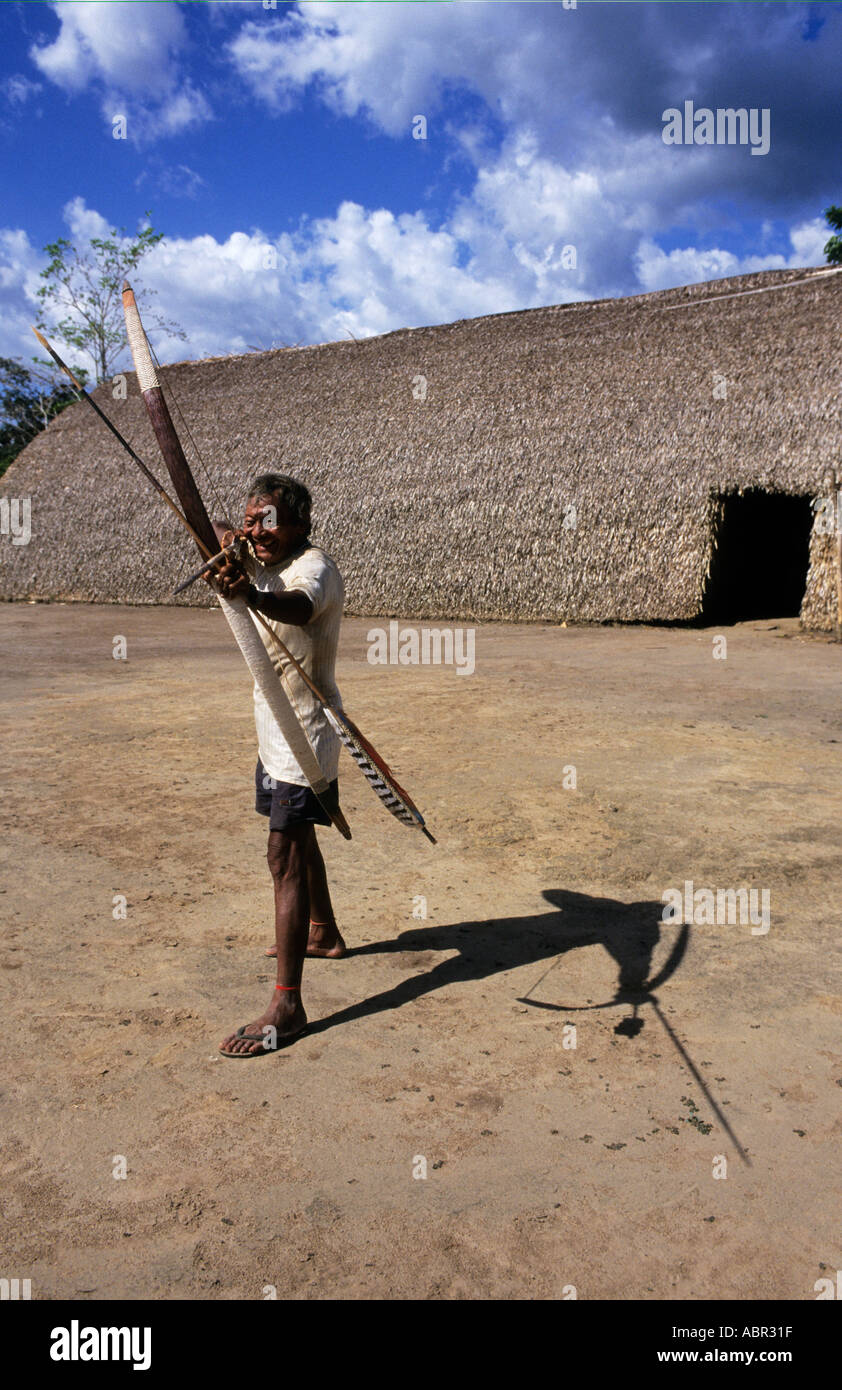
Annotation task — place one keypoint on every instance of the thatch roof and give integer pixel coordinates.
(454, 506)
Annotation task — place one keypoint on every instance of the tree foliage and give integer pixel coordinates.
(833, 249)
(29, 398)
(80, 296)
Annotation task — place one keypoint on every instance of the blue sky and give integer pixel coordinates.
(274, 147)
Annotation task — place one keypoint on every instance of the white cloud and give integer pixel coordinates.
(809, 240)
(131, 54)
(129, 46)
(356, 274)
(175, 180)
(662, 270)
(389, 61)
(18, 89)
(181, 110)
(20, 265)
(379, 272)
(83, 222)
(523, 216)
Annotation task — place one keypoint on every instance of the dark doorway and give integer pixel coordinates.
(760, 561)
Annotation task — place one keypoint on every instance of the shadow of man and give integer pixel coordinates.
(628, 931)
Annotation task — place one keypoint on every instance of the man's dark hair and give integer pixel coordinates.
(285, 492)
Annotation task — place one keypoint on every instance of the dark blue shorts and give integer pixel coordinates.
(285, 803)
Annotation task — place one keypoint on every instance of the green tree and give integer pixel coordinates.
(833, 249)
(85, 287)
(28, 401)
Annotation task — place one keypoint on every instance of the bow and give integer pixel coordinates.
(272, 677)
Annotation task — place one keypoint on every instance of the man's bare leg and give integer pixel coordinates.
(287, 856)
(324, 938)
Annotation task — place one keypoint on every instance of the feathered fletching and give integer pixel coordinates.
(377, 773)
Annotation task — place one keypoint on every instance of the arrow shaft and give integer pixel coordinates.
(209, 564)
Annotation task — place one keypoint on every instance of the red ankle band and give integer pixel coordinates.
(287, 986)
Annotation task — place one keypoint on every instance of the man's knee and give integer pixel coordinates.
(287, 850)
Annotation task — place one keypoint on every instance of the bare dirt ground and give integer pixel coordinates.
(548, 1166)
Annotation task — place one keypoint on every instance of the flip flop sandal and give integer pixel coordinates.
(261, 1038)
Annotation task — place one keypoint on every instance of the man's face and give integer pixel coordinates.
(272, 532)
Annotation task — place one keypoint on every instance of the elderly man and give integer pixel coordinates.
(298, 588)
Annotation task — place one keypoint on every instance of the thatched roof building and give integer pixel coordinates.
(578, 462)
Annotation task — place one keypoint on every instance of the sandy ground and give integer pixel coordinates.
(548, 1166)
